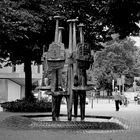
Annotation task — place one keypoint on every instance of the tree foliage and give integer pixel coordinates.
(30, 21)
(102, 18)
(27, 25)
(123, 14)
(22, 29)
(90, 13)
(118, 58)
(22, 34)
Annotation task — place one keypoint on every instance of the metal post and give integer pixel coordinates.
(57, 18)
(70, 74)
(92, 100)
(74, 44)
(60, 34)
(74, 34)
(60, 40)
(81, 32)
(56, 28)
(84, 78)
(82, 41)
(55, 76)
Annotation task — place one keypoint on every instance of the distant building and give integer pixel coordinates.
(12, 81)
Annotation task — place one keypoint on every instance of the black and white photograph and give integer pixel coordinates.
(69, 69)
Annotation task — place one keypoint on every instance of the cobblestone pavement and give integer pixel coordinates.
(129, 115)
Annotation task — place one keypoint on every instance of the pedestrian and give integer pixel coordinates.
(117, 98)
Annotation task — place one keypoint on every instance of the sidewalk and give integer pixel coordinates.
(130, 115)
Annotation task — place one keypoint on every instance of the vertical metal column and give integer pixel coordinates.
(84, 78)
(55, 107)
(56, 28)
(70, 73)
(59, 71)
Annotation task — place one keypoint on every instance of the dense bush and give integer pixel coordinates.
(27, 106)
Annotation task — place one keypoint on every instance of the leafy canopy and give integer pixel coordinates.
(23, 29)
(118, 58)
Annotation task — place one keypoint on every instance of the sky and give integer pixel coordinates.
(137, 39)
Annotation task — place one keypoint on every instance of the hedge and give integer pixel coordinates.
(27, 106)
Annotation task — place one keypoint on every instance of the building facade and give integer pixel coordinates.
(12, 81)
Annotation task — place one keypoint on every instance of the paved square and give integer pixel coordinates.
(130, 115)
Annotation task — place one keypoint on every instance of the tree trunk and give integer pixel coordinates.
(28, 79)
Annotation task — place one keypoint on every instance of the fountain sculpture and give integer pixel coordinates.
(77, 60)
(72, 86)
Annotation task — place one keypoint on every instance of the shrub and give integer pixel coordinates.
(27, 106)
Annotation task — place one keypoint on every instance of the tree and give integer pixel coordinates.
(123, 14)
(26, 25)
(22, 34)
(101, 18)
(118, 58)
